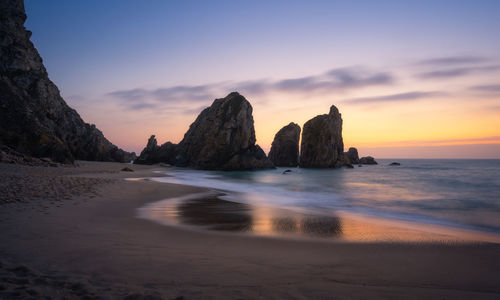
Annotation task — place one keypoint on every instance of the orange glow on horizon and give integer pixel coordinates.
(411, 125)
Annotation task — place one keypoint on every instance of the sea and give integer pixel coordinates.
(457, 194)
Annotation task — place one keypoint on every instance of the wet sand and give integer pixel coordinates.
(91, 244)
(210, 211)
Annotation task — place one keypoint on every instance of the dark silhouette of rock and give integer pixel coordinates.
(285, 147)
(7, 155)
(395, 164)
(322, 145)
(153, 153)
(367, 160)
(34, 119)
(127, 169)
(352, 155)
(286, 171)
(223, 138)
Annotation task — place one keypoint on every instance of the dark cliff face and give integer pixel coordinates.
(285, 147)
(223, 137)
(34, 119)
(322, 145)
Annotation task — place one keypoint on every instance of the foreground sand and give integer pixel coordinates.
(72, 233)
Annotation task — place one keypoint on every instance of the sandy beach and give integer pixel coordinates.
(72, 233)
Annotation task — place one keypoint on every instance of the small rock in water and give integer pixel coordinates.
(287, 171)
(360, 165)
(352, 155)
(349, 166)
(395, 164)
(127, 169)
(367, 160)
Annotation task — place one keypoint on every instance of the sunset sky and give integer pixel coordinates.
(412, 79)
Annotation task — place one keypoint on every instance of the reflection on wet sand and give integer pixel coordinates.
(217, 214)
(208, 211)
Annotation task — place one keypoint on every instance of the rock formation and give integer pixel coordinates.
(367, 160)
(10, 156)
(352, 155)
(153, 153)
(221, 138)
(34, 119)
(285, 147)
(322, 145)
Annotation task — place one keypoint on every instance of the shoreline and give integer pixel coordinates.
(354, 225)
(382, 228)
(99, 244)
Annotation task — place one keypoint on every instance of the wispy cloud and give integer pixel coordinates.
(161, 98)
(457, 72)
(400, 97)
(453, 60)
(463, 141)
(174, 93)
(335, 80)
(486, 88)
(192, 111)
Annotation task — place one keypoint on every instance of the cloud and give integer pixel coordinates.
(192, 111)
(169, 94)
(464, 141)
(486, 88)
(154, 99)
(495, 139)
(457, 72)
(409, 96)
(335, 80)
(453, 60)
(254, 87)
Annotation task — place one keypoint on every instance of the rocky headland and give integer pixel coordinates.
(34, 118)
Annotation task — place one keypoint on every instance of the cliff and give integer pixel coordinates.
(34, 118)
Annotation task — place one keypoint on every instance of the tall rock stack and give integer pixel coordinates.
(34, 119)
(322, 145)
(223, 138)
(285, 147)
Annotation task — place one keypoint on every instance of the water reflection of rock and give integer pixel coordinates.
(321, 226)
(216, 214)
(284, 224)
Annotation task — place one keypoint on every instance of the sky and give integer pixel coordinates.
(412, 79)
